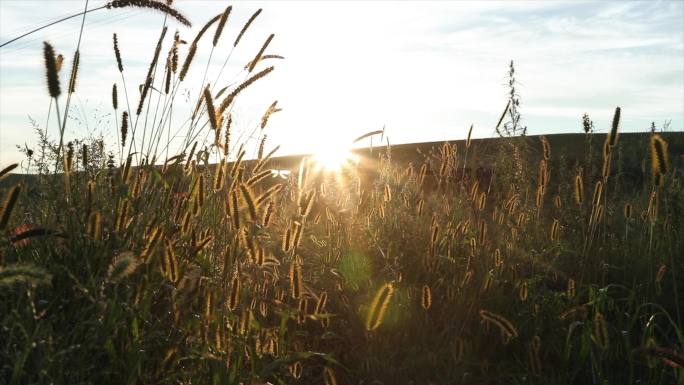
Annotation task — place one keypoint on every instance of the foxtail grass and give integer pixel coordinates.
(151, 4)
(378, 307)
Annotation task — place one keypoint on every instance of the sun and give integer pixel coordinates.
(334, 158)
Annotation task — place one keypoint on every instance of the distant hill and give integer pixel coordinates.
(633, 149)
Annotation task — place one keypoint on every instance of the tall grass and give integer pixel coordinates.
(191, 272)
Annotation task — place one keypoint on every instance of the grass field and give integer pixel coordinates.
(559, 263)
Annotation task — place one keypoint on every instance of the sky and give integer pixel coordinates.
(425, 71)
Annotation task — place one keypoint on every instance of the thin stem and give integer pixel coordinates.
(116, 133)
(61, 134)
(78, 47)
(674, 284)
(147, 111)
(166, 116)
(128, 105)
(47, 123)
(155, 131)
(193, 124)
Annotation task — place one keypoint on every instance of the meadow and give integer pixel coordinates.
(559, 263)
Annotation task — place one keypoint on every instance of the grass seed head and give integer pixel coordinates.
(117, 53)
(121, 267)
(295, 276)
(659, 155)
(151, 4)
(74, 72)
(613, 136)
(211, 112)
(257, 58)
(221, 25)
(600, 334)
(246, 26)
(5, 171)
(115, 97)
(51, 70)
(8, 206)
(507, 329)
(426, 298)
(378, 307)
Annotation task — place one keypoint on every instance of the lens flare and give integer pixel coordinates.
(334, 158)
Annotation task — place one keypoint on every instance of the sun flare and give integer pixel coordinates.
(334, 158)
